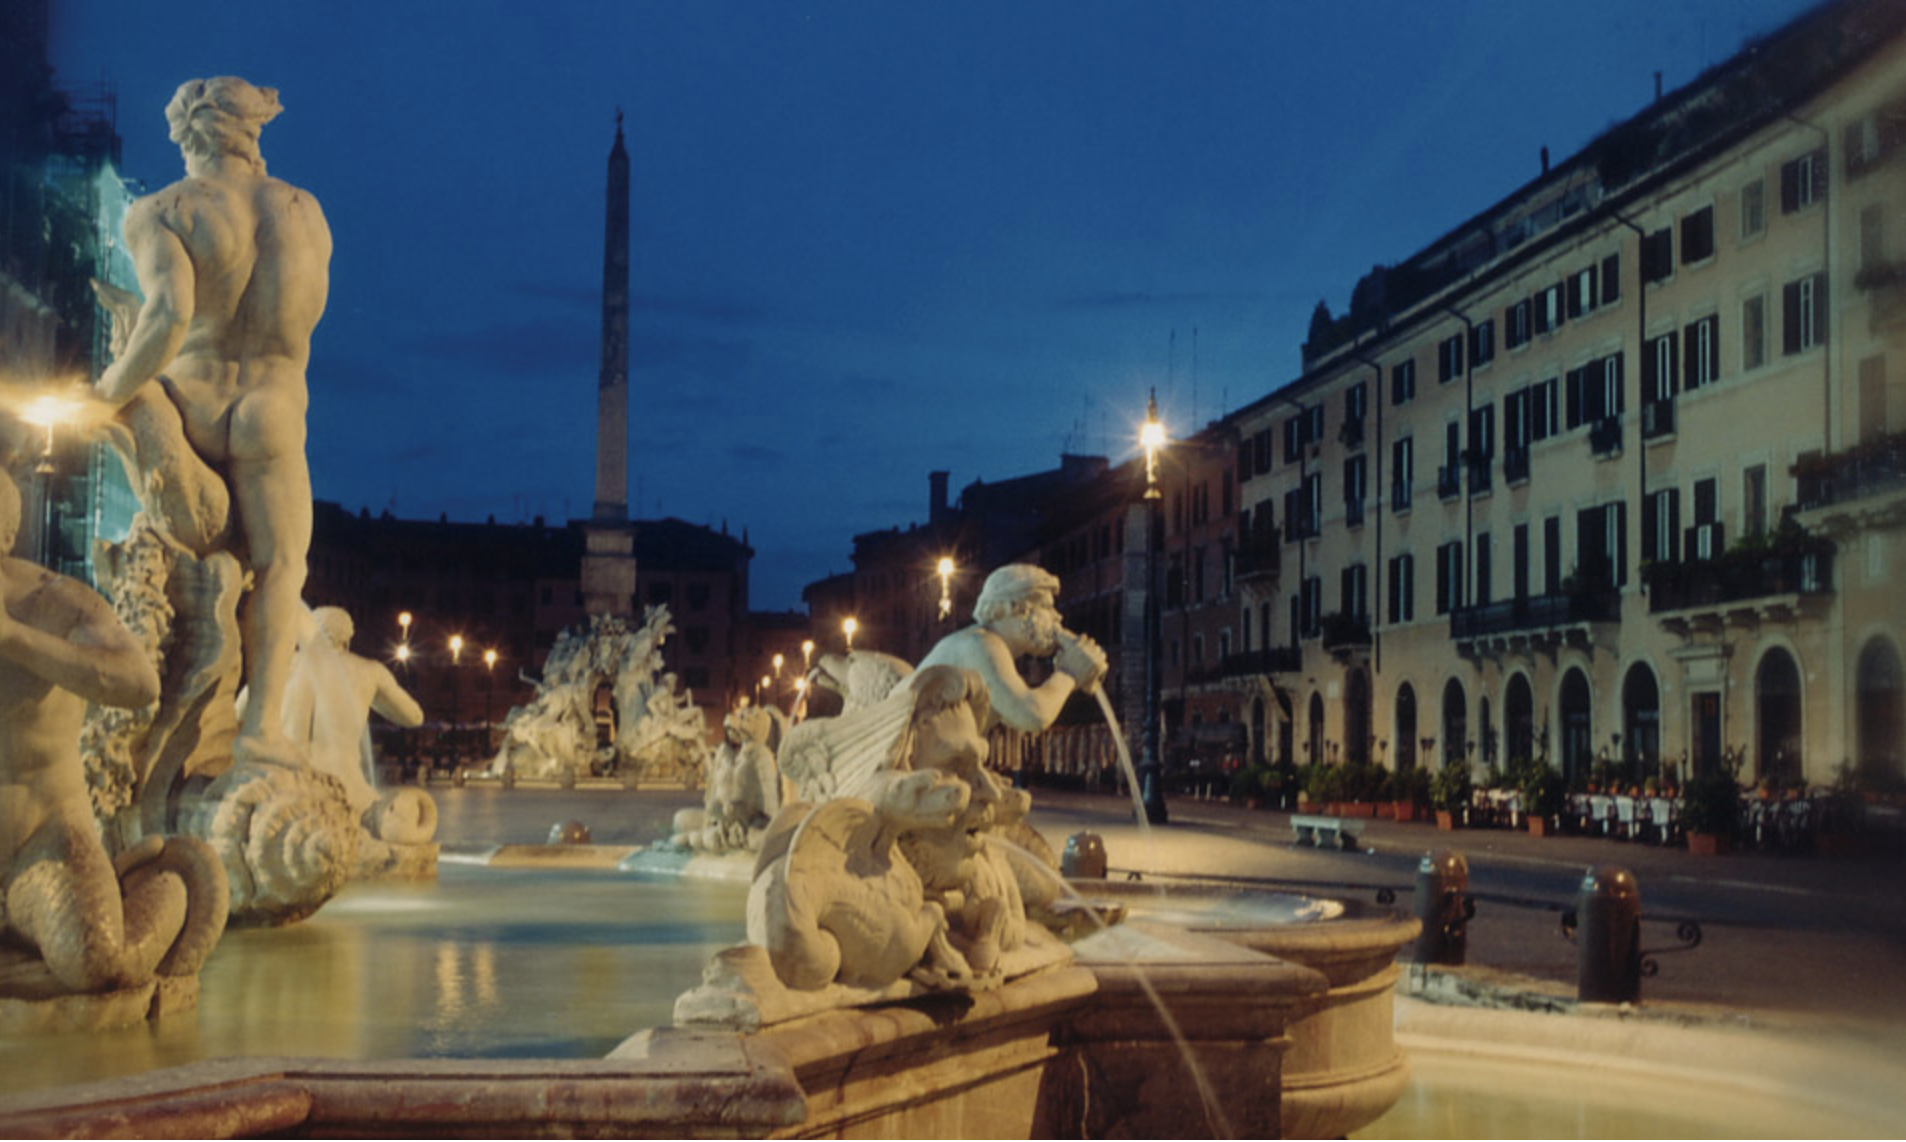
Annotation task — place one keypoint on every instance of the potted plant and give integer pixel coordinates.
(1409, 792)
(1543, 798)
(1711, 807)
(1449, 794)
(1254, 785)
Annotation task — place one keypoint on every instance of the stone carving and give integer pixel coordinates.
(903, 887)
(96, 925)
(647, 728)
(861, 677)
(207, 400)
(743, 792)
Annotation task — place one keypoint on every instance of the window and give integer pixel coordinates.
(1449, 577)
(1356, 403)
(1402, 475)
(1804, 314)
(1702, 355)
(1863, 145)
(1611, 279)
(1516, 324)
(1872, 239)
(1582, 292)
(1594, 391)
(1544, 418)
(1402, 589)
(1658, 379)
(1803, 182)
(1482, 343)
(1657, 255)
(1753, 209)
(1354, 587)
(1601, 545)
(1552, 555)
(1697, 236)
(1403, 382)
(1515, 421)
(1313, 605)
(1479, 555)
(1354, 489)
(1753, 332)
(1661, 526)
(1482, 435)
(1449, 358)
(1754, 499)
(1548, 309)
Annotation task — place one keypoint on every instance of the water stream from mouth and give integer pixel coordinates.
(1124, 751)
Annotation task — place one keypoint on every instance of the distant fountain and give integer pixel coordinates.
(605, 705)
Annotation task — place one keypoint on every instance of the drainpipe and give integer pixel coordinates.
(1376, 626)
(1462, 475)
(1641, 364)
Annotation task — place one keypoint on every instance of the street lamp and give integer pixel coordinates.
(48, 411)
(848, 626)
(456, 649)
(807, 655)
(489, 696)
(946, 588)
(1152, 438)
(779, 659)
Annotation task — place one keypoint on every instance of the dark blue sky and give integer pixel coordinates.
(870, 239)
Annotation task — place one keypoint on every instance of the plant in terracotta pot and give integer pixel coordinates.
(1543, 798)
(1450, 791)
(1255, 785)
(1711, 806)
(1410, 792)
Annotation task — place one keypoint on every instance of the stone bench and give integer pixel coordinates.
(1334, 832)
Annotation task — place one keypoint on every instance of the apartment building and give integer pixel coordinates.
(1614, 470)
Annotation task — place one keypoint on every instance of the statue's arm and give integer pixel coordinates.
(166, 273)
(97, 659)
(1027, 708)
(393, 702)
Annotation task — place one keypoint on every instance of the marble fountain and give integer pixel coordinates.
(191, 754)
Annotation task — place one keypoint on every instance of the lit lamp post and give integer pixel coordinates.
(848, 626)
(807, 656)
(946, 588)
(489, 698)
(48, 412)
(1152, 438)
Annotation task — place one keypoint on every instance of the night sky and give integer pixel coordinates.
(870, 239)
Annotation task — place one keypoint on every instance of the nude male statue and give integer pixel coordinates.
(1017, 615)
(235, 269)
(330, 699)
(61, 647)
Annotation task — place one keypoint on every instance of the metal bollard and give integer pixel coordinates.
(1444, 907)
(1606, 928)
(1084, 858)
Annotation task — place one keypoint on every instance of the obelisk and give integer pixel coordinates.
(608, 562)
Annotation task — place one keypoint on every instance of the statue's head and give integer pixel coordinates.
(336, 624)
(1019, 602)
(221, 116)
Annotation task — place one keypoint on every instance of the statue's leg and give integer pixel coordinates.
(274, 513)
(182, 493)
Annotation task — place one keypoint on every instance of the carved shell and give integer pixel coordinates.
(286, 837)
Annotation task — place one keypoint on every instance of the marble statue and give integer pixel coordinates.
(206, 400)
(743, 791)
(96, 924)
(861, 677)
(837, 896)
(327, 710)
(658, 729)
(1016, 616)
(235, 269)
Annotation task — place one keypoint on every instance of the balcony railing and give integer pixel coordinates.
(1478, 476)
(1260, 556)
(1604, 436)
(1342, 631)
(1534, 612)
(1739, 576)
(1515, 465)
(1276, 660)
(1657, 419)
(1449, 481)
(1870, 469)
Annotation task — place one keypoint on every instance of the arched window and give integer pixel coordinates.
(1314, 747)
(1405, 727)
(1455, 721)
(1641, 722)
(1356, 717)
(1777, 718)
(1519, 705)
(1578, 747)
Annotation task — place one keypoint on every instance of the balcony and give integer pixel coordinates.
(1350, 434)
(1400, 496)
(1276, 660)
(1867, 471)
(1449, 481)
(1260, 556)
(1533, 618)
(1657, 419)
(1604, 436)
(1479, 476)
(1343, 631)
(1768, 575)
(1515, 465)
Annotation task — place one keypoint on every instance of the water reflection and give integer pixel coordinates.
(484, 963)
